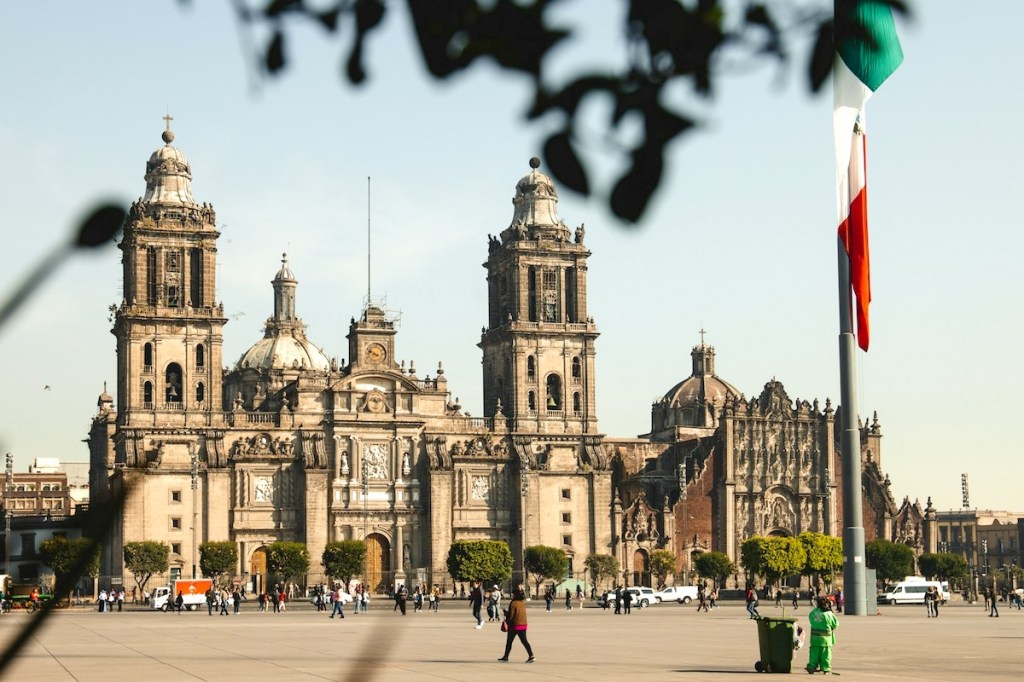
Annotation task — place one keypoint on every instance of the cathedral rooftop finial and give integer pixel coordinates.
(168, 135)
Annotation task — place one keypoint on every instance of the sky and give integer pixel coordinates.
(738, 241)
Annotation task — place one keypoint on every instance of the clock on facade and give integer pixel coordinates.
(376, 353)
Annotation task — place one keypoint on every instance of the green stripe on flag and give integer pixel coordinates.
(866, 40)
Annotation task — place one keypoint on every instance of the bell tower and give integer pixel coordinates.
(169, 329)
(538, 347)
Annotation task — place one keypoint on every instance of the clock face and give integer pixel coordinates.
(375, 352)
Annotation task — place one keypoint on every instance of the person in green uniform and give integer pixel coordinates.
(823, 627)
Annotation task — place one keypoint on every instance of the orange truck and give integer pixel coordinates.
(193, 593)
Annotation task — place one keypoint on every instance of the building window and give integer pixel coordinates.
(531, 401)
(551, 295)
(147, 357)
(566, 494)
(554, 390)
(200, 356)
(195, 278)
(151, 276)
(172, 380)
(28, 545)
(200, 392)
(531, 367)
(175, 523)
(567, 540)
(175, 548)
(531, 283)
(175, 496)
(566, 517)
(176, 571)
(577, 370)
(147, 394)
(577, 403)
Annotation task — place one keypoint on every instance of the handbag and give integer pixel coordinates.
(504, 626)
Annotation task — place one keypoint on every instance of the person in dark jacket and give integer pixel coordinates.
(476, 602)
(515, 622)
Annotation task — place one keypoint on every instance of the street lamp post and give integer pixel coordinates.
(195, 509)
(7, 544)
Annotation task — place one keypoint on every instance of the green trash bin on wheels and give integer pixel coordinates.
(775, 640)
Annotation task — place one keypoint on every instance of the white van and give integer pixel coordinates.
(912, 591)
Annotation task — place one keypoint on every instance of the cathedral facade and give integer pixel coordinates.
(290, 444)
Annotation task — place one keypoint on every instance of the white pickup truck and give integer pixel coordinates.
(642, 596)
(682, 594)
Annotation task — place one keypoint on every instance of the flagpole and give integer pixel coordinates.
(854, 586)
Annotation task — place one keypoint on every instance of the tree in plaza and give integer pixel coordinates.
(287, 560)
(773, 558)
(145, 558)
(489, 561)
(546, 563)
(601, 567)
(70, 560)
(344, 559)
(663, 562)
(217, 560)
(824, 556)
(942, 565)
(891, 560)
(714, 565)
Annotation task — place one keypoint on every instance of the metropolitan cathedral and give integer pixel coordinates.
(289, 444)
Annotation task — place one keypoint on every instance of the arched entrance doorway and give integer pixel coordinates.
(378, 562)
(641, 569)
(258, 569)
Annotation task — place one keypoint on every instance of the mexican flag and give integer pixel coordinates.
(868, 51)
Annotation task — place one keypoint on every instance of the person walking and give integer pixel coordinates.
(179, 601)
(223, 602)
(417, 600)
(992, 597)
(778, 597)
(713, 598)
(701, 598)
(402, 596)
(209, 602)
(627, 601)
(751, 598)
(568, 600)
(823, 638)
(236, 597)
(338, 603)
(618, 600)
(929, 601)
(515, 624)
(549, 599)
(476, 602)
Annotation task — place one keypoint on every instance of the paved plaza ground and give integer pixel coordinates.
(665, 642)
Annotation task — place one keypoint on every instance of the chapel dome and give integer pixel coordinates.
(284, 351)
(168, 174)
(536, 200)
(702, 384)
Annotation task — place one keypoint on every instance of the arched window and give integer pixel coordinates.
(577, 369)
(147, 393)
(200, 356)
(200, 392)
(554, 393)
(577, 403)
(172, 383)
(147, 357)
(531, 401)
(531, 367)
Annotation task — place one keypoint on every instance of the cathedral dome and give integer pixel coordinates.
(284, 351)
(703, 385)
(168, 174)
(536, 200)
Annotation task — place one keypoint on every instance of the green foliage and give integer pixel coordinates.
(344, 559)
(287, 560)
(218, 560)
(546, 563)
(70, 560)
(824, 554)
(714, 565)
(601, 567)
(487, 560)
(145, 558)
(773, 558)
(891, 560)
(942, 565)
(663, 562)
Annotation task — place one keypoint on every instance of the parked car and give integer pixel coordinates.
(642, 596)
(682, 594)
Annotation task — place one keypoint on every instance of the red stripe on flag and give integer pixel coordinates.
(854, 233)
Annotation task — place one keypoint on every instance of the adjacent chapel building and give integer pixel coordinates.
(291, 444)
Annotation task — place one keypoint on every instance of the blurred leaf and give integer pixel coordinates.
(634, 189)
(100, 226)
(822, 56)
(274, 59)
(329, 19)
(564, 163)
(278, 7)
(369, 13)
